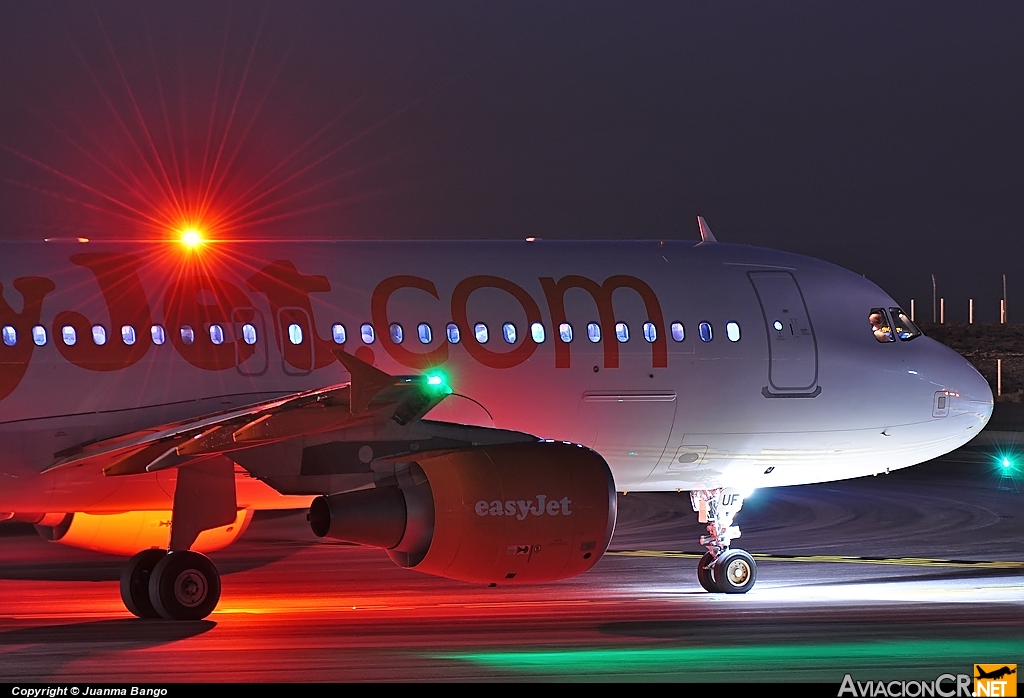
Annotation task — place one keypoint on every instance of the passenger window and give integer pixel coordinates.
(68, 334)
(397, 335)
(621, 332)
(99, 335)
(157, 333)
(453, 333)
(704, 330)
(594, 332)
(732, 331)
(906, 330)
(650, 332)
(128, 334)
(678, 332)
(366, 333)
(565, 332)
(10, 336)
(338, 333)
(880, 326)
(216, 334)
(424, 332)
(249, 334)
(480, 330)
(39, 335)
(187, 335)
(295, 333)
(537, 332)
(508, 330)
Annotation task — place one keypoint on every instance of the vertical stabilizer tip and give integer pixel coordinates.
(705, 232)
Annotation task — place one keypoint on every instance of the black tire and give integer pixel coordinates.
(184, 586)
(735, 571)
(706, 573)
(135, 582)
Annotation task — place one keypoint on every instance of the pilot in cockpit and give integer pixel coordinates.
(880, 325)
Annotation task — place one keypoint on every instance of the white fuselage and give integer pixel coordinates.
(817, 400)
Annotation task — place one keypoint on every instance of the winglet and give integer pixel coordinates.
(367, 381)
(705, 232)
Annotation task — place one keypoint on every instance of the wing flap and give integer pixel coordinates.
(379, 396)
(134, 460)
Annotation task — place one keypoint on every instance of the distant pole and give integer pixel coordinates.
(1004, 299)
(912, 318)
(1002, 311)
(933, 299)
(999, 377)
(970, 313)
(942, 311)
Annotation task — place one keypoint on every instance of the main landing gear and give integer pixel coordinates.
(178, 585)
(722, 569)
(181, 584)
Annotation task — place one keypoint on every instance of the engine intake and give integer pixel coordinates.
(511, 513)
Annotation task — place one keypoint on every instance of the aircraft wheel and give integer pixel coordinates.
(184, 585)
(735, 571)
(705, 573)
(135, 582)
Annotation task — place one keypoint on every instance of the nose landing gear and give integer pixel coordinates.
(722, 569)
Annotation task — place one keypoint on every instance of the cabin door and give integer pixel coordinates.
(792, 348)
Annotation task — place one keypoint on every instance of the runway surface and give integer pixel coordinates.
(948, 593)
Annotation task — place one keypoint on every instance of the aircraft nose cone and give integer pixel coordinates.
(970, 393)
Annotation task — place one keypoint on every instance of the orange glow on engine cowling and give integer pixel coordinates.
(132, 531)
(557, 512)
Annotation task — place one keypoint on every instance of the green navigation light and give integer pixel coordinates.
(438, 382)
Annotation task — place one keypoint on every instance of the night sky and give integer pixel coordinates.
(884, 137)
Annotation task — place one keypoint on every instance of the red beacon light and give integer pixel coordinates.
(191, 238)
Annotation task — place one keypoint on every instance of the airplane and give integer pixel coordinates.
(472, 408)
(995, 674)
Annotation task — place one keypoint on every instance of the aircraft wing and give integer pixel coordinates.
(370, 395)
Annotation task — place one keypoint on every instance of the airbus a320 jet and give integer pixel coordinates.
(470, 407)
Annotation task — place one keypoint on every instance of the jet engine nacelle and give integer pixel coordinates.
(129, 532)
(510, 513)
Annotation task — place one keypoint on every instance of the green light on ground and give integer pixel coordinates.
(795, 660)
(1005, 462)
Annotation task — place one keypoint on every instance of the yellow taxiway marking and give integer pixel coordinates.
(912, 561)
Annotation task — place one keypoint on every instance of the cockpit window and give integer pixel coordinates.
(880, 325)
(905, 328)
